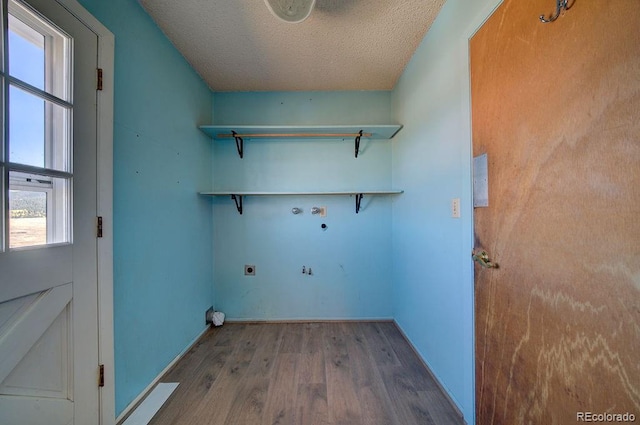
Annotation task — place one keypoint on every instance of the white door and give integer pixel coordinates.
(48, 264)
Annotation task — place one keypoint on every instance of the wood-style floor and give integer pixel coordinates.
(336, 373)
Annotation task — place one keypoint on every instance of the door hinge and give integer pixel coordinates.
(99, 230)
(99, 85)
(101, 375)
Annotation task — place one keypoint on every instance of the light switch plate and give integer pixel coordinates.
(455, 208)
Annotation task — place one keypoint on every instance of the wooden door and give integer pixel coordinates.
(556, 108)
(48, 261)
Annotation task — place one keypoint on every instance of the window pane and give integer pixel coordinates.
(3, 158)
(39, 210)
(26, 53)
(28, 220)
(38, 52)
(26, 127)
(39, 131)
(2, 211)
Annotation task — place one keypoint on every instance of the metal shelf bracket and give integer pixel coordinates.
(359, 197)
(357, 142)
(239, 144)
(238, 200)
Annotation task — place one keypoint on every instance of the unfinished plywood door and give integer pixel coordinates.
(48, 263)
(556, 108)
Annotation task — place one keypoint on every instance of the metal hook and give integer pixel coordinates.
(561, 6)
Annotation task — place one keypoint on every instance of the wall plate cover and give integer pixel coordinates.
(249, 270)
(455, 208)
(480, 181)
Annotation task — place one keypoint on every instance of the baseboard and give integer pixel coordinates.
(311, 320)
(127, 410)
(435, 378)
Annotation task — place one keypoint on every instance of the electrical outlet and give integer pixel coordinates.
(249, 270)
(455, 208)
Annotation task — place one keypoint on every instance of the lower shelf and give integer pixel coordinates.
(359, 194)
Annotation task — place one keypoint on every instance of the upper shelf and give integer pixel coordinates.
(357, 132)
(301, 193)
(359, 194)
(300, 131)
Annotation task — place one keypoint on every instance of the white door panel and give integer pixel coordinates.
(28, 326)
(36, 411)
(48, 294)
(9, 309)
(45, 370)
(32, 271)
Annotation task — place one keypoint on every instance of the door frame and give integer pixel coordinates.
(104, 207)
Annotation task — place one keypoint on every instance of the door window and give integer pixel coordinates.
(36, 156)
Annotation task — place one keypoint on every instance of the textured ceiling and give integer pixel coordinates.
(237, 45)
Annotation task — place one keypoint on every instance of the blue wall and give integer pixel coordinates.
(351, 260)
(162, 229)
(433, 304)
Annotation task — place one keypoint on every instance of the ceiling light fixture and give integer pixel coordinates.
(291, 11)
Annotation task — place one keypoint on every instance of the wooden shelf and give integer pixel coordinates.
(237, 196)
(241, 132)
(220, 132)
(301, 193)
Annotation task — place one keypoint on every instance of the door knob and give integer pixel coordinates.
(482, 258)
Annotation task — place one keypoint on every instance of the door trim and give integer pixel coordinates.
(104, 164)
